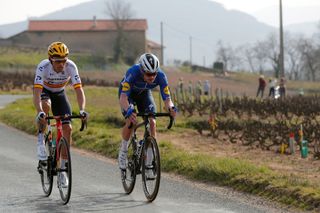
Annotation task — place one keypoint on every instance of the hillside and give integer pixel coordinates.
(206, 21)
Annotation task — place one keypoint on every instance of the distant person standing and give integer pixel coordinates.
(198, 92)
(206, 87)
(272, 85)
(180, 85)
(261, 87)
(190, 88)
(282, 88)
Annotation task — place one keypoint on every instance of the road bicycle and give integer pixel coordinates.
(144, 158)
(58, 152)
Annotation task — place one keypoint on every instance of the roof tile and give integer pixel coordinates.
(84, 25)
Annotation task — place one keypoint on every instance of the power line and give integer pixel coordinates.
(188, 35)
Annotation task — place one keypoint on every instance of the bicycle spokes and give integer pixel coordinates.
(64, 175)
(45, 170)
(128, 176)
(151, 169)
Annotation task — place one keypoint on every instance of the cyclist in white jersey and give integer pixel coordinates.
(52, 75)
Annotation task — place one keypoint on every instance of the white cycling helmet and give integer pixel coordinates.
(149, 63)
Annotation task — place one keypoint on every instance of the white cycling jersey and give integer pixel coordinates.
(47, 78)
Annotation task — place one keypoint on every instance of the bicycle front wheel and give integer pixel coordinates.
(64, 172)
(45, 169)
(128, 176)
(151, 170)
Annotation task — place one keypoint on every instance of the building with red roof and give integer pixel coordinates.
(88, 36)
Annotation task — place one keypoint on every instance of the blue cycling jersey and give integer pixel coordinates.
(133, 82)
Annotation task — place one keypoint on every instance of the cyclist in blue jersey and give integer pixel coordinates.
(135, 89)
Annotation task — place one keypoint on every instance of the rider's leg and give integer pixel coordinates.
(46, 105)
(149, 158)
(41, 150)
(66, 133)
(153, 125)
(126, 134)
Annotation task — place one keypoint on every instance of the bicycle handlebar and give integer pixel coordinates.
(60, 117)
(158, 114)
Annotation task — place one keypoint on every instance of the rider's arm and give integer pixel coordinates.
(124, 103)
(81, 98)
(77, 85)
(170, 107)
(38, 86)
(168, 103)
(37, 99)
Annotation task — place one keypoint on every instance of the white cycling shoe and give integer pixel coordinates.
(150, 173)
(41, 152)
(122, 159)
(64, 182)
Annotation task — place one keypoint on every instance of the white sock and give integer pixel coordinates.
(149, 157)
(40, 138)
(63, 163)
(124, 146)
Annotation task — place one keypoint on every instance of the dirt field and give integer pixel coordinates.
(191, 141)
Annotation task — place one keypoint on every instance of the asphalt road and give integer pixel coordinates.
(97, 186)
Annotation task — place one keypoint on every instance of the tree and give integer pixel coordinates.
(310, 54)
(226, 55)
(293, 56)
(120, 12)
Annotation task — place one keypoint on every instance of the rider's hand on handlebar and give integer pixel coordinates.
(84, 114)
(41, 117)
(173, 111)
(131, 114)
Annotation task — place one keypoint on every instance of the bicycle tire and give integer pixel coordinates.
(151, 186)
(45, 171)
(65, 192)
(128, 176)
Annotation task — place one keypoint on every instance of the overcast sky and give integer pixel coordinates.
(251, 6)
(18, 10)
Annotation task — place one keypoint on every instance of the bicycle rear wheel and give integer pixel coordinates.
(64, 172)
(128, 176)
(151, 169)
(45, 169)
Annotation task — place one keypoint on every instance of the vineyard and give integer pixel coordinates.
(24, 80)
(256, 123)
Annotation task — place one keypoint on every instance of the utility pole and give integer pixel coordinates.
(161, 59)
(281, 57)
(190, 52)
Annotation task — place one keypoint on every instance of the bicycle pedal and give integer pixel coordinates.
(39, 170)
(43, 162)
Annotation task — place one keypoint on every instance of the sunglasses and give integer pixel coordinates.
(59, 60)
(150, 74)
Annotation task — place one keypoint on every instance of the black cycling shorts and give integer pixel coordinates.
(59, 103)
(143, 100)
